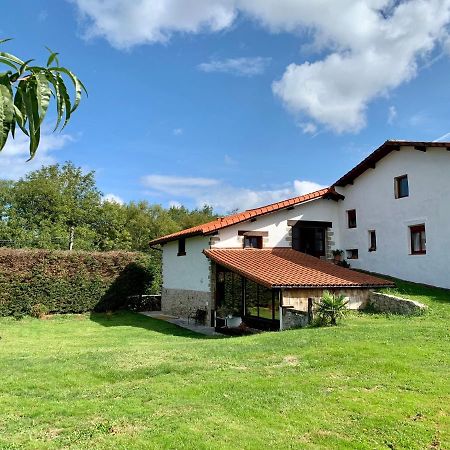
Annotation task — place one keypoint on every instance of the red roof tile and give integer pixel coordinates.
(288, 268)
(224, 222)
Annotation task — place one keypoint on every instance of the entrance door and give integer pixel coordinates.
(309, 238)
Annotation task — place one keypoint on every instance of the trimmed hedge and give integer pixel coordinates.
(71, 282)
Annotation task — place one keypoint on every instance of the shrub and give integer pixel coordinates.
(331, 308)
(38, 310)
(34, 281)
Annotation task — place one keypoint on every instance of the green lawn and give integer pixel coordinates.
(126, 382)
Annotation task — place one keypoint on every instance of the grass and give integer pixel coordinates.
(126, 381)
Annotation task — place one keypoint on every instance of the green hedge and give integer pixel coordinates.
(71, 282)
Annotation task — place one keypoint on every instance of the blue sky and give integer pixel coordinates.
(235, 103)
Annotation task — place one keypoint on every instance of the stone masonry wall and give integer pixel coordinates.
(384, 303)
(293, 318)
(184, 303)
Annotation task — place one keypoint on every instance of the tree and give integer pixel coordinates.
(25, 93)
(53, 201)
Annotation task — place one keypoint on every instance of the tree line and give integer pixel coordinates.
(59, 205)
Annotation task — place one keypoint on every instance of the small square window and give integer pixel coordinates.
(401, 187)
(418, 240)
(352, 253)
(372, 241)
(351, 218)
(253, 241)
(181, 247)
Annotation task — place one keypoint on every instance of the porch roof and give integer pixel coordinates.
(288, 268)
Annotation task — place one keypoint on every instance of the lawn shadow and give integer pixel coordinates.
(132, 319)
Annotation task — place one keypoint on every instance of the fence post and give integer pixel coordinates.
(310, 310)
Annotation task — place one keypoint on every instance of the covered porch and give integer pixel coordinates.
(273, 289)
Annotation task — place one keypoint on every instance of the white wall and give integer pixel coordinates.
(276, 224)
(372, 195)
(191, 271)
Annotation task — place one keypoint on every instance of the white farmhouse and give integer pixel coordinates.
(390, 215)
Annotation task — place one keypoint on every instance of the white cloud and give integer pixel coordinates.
(177, 131)
(229, 161)
(444, 138)
(367, 47)
(392, 114)
(308, 127)
(14, 156)
(221, 196)
(113, 198)
(247, 67)
(126, 23)
(174, 185)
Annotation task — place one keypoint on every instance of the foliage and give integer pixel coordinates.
(38, 281)
(331, 308)
(25, 94)
(144, 303)
(126, 381)
(38, 310)
(337, 252)
(39, 210)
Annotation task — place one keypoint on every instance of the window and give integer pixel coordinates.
(351, 216)
(352, 253)
(372, 241)
(418, 240)
(181, 247)
(253, 241)
(401, 187)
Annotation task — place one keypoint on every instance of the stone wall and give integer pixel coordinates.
(384, 303)
(184, 303)
(292, 318)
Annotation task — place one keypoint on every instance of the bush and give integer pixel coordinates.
(331, 308)
(39, 311)
(43, 281)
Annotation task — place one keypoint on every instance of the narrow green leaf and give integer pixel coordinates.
(19, 105)
(43, 93)
(6, 109)
(23, 67)
(59, 101)
(8, 63)
(53, 57)
(65, 98)
(11, 57)
(76, 82)
(2, 41)
(32, 110)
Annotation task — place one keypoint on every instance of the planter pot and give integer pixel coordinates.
(337, 258)
(233, 322)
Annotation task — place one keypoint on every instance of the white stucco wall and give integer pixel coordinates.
(276, 224)
(372, 195)
(189, 272)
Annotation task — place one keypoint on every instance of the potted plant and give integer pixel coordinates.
(337, 255)
(231, 315)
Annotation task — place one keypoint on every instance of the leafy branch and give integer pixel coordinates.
(25, 94)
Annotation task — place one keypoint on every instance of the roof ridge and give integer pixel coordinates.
(222, 222)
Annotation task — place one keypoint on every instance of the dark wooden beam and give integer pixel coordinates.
(253, 233)
(421, 148)
(448, 149)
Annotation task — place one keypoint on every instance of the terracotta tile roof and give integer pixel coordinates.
(288, 268)
(386, 148)
(224, 222)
